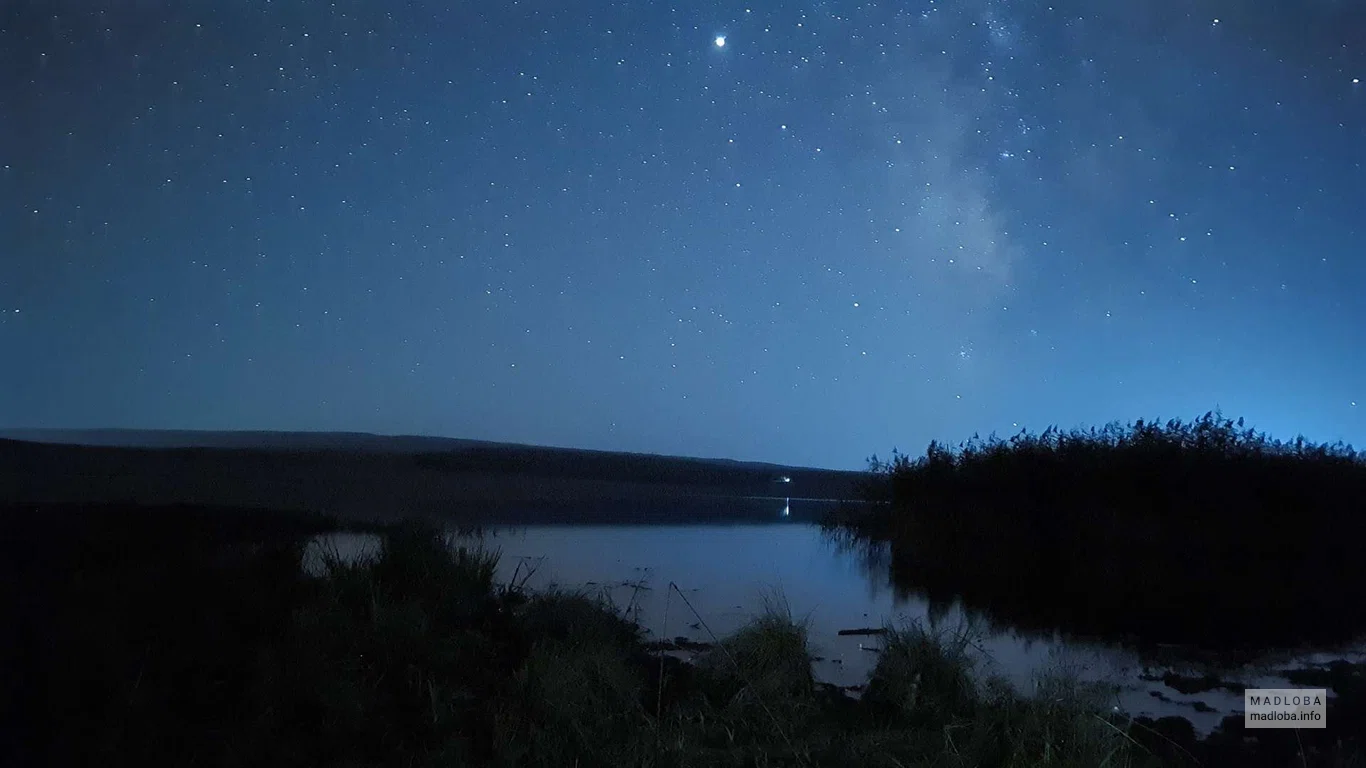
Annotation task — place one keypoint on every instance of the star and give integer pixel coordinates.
(664, 198)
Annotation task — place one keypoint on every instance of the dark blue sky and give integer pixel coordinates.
(851, 226)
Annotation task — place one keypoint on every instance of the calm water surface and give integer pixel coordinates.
(700, 580)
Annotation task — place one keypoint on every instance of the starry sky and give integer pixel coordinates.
(797, 231)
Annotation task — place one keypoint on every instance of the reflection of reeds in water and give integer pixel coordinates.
(1175, 533)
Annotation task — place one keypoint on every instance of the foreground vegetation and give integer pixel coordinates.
(1202, 533)
(181, 637)
(194, 637)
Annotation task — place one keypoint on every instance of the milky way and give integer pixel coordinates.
(796, 231)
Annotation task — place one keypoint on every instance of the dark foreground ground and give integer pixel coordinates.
(192, 636)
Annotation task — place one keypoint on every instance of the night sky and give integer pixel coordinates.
(801, 232)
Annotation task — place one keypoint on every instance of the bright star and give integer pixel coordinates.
(720, 41)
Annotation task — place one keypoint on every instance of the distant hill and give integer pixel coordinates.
(185, 438)
(306, 441)
(360, 476)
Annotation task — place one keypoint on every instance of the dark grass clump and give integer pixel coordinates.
(580, 689)
(390, 660)
(755, 689)
(927, 690)
(768, 658)
(923, 677)
(1201, 533)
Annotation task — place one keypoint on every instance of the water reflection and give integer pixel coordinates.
(830, 581)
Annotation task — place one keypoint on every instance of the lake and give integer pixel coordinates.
(705, 578)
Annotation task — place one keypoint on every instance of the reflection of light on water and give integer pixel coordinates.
(838, 583)
(787, 507)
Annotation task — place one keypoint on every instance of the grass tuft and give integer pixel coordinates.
(924, 677)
